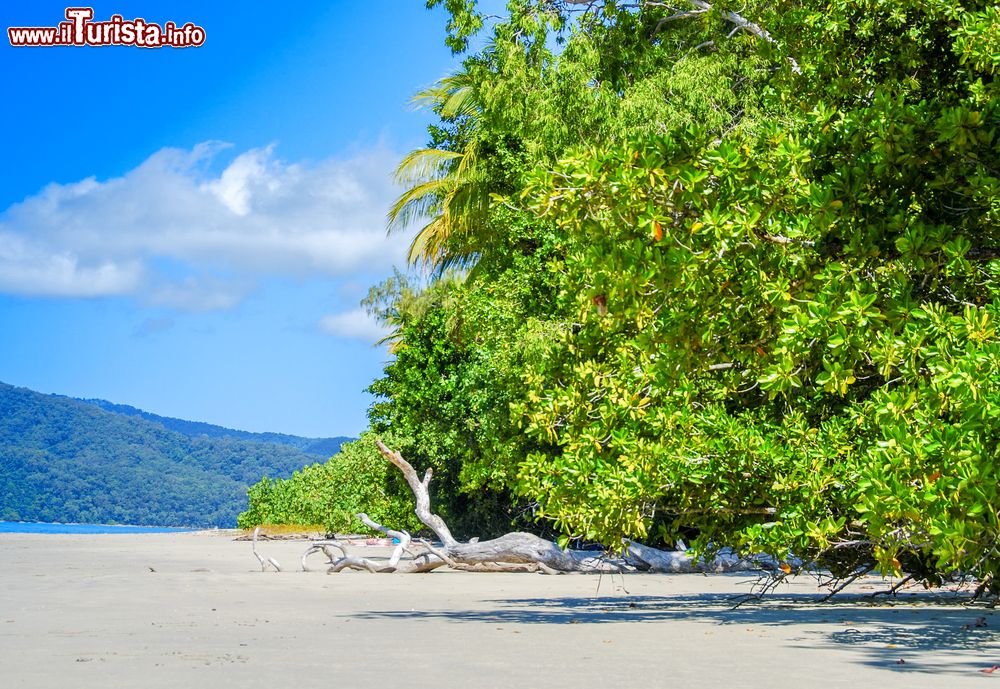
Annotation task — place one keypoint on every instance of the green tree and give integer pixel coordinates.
(445, 186)
(733, 277)
(787, 336)
(330, 494)
(461, 345)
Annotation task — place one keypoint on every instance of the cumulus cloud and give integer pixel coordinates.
(259, 216)
(28, 268)
(356, 324)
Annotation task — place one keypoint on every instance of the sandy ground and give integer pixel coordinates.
(193, 610)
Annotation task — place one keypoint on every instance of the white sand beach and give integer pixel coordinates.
(194, 610)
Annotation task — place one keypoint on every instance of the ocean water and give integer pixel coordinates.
(41, 527)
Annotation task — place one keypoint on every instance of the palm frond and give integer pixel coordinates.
(460, 102)
(424, 163)
(446, 187)
(454, 95)
(423, 200)
(430, 97)
(429, 242)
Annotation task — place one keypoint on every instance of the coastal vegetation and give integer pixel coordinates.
(725, 273)
(328, 495)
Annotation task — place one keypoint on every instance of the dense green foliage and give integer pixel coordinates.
(727, 276)
(64, 460)
(446, 396)
(462, 346)
(796, 349)
(329, 495)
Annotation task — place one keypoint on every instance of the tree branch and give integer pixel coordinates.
(263, 562)
(401, 536)
(420, 493)
(674, 17)
(512, 552)
(742, 23)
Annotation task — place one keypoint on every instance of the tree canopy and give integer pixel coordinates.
(730, 274)
(90, 461)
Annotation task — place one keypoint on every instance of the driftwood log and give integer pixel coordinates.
(263, 563)
(512, 552)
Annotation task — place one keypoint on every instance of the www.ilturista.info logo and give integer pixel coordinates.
(80, 29)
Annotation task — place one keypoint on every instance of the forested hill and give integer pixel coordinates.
(66, 460)
(323, 448)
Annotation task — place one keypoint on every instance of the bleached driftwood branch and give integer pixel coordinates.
(263, 563)
(516, 551)
(700, 7)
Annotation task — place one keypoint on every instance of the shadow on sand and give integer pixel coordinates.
(928, 632)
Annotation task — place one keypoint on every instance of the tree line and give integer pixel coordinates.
(67, 460)
(720, 272)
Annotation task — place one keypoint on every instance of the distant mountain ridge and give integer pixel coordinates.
(321, 447)
(69, 460)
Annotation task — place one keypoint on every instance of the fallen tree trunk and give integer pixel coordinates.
(516, 551)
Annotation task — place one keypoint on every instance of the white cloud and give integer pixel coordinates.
(27, 269)
(356, 324)
(260, 216)
(234, 186)
(199, 294)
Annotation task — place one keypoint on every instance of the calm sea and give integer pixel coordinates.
(40, 527)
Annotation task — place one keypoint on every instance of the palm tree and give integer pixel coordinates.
(447, 187)
(404, 299)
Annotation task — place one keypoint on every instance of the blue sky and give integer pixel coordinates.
(190, 231)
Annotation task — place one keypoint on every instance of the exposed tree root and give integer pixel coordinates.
(894, 589)
(985, 587)
(842, 583)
